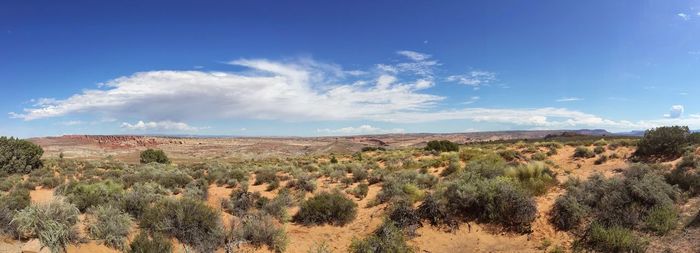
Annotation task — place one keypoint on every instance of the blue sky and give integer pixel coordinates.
(311, 68)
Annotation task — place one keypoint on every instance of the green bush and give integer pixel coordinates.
(86, 195)
(535, 177)
(493, 200)
(623, 201)
(615, 239)
(599, 149)
(360, 191)
(453, 167)
(260, 229)
(241, 201)
(489, 165)
(265, 176)
(359, 174)
(190, 221)
(140, 196)
(303, 181)
(661, 219)
(663, 142)
(387, 238)
(686, 174)
(583, 152)
(277, 207)
(567, 213)
(432, 210)
(19, 156)
(17, 199)
(404, 216)
(109, 224)
(197, 189)
(157, 243)
(539, 156)
(52, 223)
(510, 155)
(154, 156)
(327, 208)
(442, 146)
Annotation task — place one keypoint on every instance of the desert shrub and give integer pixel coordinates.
(197, 189)
(376, 176)
(52, 223)
(494, 200)
(190, 221)
(154, 156)
(567, 213)
(539, 156)
(387, 238)
(599, 149)
(686, 174)
(442, 146)
(583, 152)
(398, 187)
(277, 207)
(260, 229)
(453, 167)
(601, 159)
(404, 216)
(663, 142)
(490, 165)
(359, 174)
(360, 191)
(157, 243)
(614, 239)
(510, 155)
(50, 182)
(86, 195)
(432, 210)
(241, 201)
(661, 219)
(19, 156)
(331, 208)
(140, 196)
(109, 224)
(304, 182)
(17, 199)
(224, 175)
(265, 176)
(623, 201)
(535, 177)
(8, 182)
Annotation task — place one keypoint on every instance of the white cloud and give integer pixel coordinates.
(158, 126)
(683, 16)
(268, 90)
(569, 99)
(416, 56)
(472, 100)
(363, 129)
(475, 78)
(675, 112)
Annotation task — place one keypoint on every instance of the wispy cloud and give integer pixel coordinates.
(413, 55)
(475, 78)
(568, 99)
(472, 100)
(683, 16)
(363, 129)
(158, 126)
